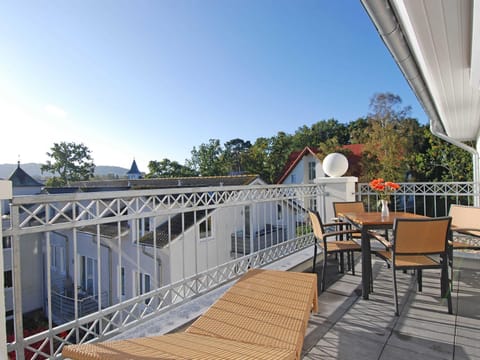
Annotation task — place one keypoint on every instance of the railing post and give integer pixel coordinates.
(336, 189)
(5, 194)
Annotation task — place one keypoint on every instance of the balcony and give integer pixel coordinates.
(63, 306)
(144, 257)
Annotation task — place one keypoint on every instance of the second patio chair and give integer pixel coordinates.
(465, 231)
(342, 207)
(348, 206)
(420, 244)
(337, 246)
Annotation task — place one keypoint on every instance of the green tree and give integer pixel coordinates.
(330, 146)
(441, 161)
(168, 168)
(208, 159)
(71, 161)
(234, 154)
(280, 147)
(358, 131)
(386, 147)
(328, 129)
(318, 133)
(304, 136)
(256, 159)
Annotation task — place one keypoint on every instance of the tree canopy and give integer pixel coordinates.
(394, 145)
(71, 161)
(167, 168)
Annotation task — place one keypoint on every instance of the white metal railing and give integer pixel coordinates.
(431, 199)
(148, 250)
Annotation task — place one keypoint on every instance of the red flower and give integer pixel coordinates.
(384, 188)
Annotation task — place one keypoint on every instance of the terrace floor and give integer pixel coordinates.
(349, 327)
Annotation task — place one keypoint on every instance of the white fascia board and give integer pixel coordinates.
(475, 58)
(411, 36)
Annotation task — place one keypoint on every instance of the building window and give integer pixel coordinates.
(205, 228)
(143, 283)
(58, 258)
(247, 220)
(313, 204)
(122, 280)
(7, 242)
(311, 170)
(293, 179)
(279, 212)
(144, 226)
(8, 279)
(88, 274)
(146, 283)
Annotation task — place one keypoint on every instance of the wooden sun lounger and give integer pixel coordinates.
(263, 316)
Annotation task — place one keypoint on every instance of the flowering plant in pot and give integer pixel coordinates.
(384, 189)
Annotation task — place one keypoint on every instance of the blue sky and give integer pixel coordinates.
(152, 79)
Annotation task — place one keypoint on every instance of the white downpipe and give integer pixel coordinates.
(5, 194)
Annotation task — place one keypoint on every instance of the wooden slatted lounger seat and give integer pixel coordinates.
(263, 316)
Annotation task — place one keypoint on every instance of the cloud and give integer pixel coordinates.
(55, 111)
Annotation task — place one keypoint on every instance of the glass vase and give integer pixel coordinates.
(384, 208)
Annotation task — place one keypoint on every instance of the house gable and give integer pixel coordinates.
(297, 164)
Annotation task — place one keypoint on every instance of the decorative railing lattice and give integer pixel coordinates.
(432, 199)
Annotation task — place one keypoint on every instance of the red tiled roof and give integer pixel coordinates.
(354, 159)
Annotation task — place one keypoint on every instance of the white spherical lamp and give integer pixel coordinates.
(335, 165)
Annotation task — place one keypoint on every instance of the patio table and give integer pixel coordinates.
(365, 222)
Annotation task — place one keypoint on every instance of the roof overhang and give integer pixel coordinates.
(436, 44)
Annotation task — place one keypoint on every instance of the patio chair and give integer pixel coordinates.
(465, 229)
(465, 223)
(419, 244)
(349, 206)
(338, 246)
(340, 207)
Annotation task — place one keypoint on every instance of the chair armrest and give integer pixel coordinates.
(466, 231)
(381, 239)
(340, 232)
(336, 223)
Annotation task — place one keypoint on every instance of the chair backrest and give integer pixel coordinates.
(466, 217)
(317, 226)
(348, 206)
(421, 236)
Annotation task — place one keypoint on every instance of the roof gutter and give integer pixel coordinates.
(383, 15)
